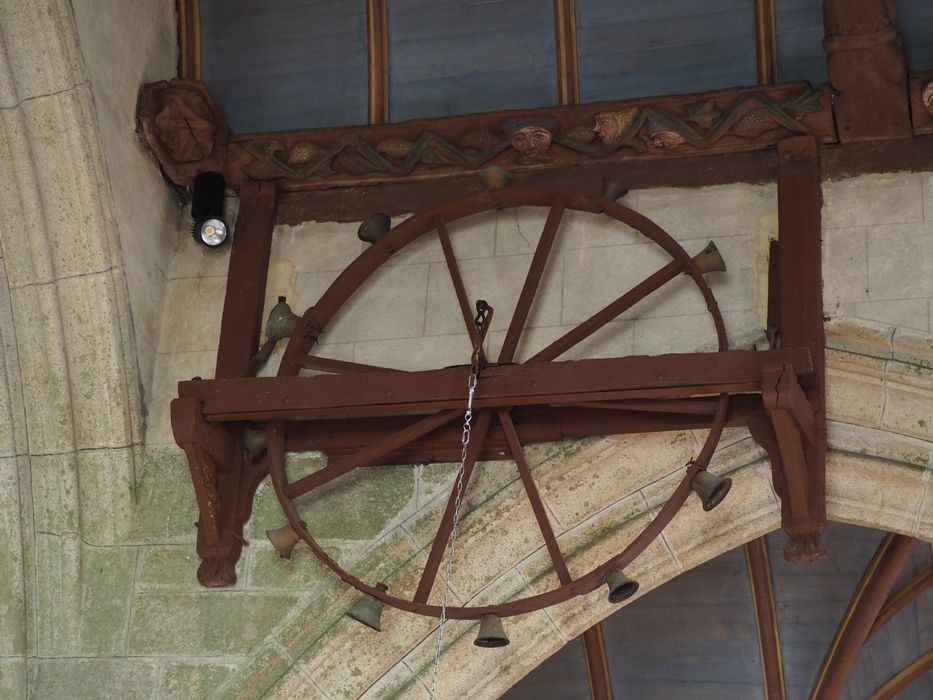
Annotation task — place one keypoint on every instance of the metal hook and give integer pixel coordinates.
(482, 321)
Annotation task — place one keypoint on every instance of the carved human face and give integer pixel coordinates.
(532, 144)
(607, 127)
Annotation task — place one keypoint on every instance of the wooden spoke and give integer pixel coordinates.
(371, 452)
(904, 677)
(447, 520)
(532, 280)
(457, 280)
(889, 560)
(609, 313)
(537, 506)
(326, 364)
(903, 597)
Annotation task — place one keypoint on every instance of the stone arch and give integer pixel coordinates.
(880, 381)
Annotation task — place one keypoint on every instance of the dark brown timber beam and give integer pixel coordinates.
(377, 40)
(765, 42)
(903, 597)
(904, 677)
(597, 665)
(558, 383)
(565, 31)
(889, 560)
(769, 637)
(241, 322)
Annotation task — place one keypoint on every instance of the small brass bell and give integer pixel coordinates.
(254, 440)
(368, 610)
(613, 190)
(281, 321)
(494, 176)
(284, 540)
(374, 228)
(621, 587)
(710, 488)
(709, 259)
(491, 633)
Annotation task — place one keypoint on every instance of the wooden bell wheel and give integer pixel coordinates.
(423, 412)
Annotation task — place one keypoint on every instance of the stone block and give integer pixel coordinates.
(883, 444)
(106, 482)
(58, 594)
(900, 258)
(926, 181)
(43, 368)
(296, 684)
(908, 394)
(166, 508)
(210, 623)
(860, 337)
(904, 313)
(174, 568)
(913, 348)
(615, 339)
(708, 212)
(390, 304)
(13, 678)
(171, 368)
(845, 265)
(130, 679)
(398, 682)
(318, 246)
(518, 231)
(411, 354)
(872, 492)
(871, 200)
(471, 237)
(55, 493)
(193, 681)
(591, 474)
(13, 437)
(499, 281)
(12, 589)
(107, 575)
(193, 313)
(260, 673)
(854, 388)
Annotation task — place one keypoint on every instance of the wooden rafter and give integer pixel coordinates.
(769, 637)
(597, 665)
(904, 677)
(765, 42)
(903, 597)
(377, 43)
(189, 39)
(879, 578)
(565, 29)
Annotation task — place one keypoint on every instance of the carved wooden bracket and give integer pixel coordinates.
(224, 485)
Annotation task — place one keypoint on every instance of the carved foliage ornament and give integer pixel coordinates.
(643, 128)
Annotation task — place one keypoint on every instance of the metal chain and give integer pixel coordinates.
(458, 499)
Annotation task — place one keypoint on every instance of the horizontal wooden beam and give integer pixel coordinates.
(541, 383)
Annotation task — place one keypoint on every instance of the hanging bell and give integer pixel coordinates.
(494, 176)
(254, 440)
(710, 488)
(281, 321)
(368, 609)
(374, 228)
(621, 587)
(709, 259)
(613, 190)
(491, 633)
(284, 540)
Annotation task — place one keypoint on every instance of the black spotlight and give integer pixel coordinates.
(207, 209)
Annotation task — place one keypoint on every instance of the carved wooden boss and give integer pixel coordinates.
(362, 416)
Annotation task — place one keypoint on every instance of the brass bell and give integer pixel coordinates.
(494, 176)
(368, 610)
(491, 633)
(613, 190)
(710, 488)
(281, 321)
(621, 587)
(284, 540)
(709, 259)
(254, 440)
(374, 228)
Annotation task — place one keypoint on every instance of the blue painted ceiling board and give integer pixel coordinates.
(657, 47)
(286, 64)
(457, 57)
(915, 20)
(562, 677)
(800, 54)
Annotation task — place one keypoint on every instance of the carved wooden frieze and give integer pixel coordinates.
(716, 122)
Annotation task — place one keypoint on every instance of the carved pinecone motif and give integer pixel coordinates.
(753, 123)
(302, 152)
(395, 148)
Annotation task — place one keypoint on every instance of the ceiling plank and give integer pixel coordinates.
(769, 637)
(889, 560)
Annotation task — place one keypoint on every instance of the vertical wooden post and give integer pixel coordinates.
(867, 69)
(241, 323)
(565, 29)
(800, 295)
(377, 33)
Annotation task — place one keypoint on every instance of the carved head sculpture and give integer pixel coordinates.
(611, 125)
(531, 138)
(926, 96)
(661, 134)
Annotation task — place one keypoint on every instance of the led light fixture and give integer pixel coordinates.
(207, 207)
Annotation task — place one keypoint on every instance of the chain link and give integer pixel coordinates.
(458, 499)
